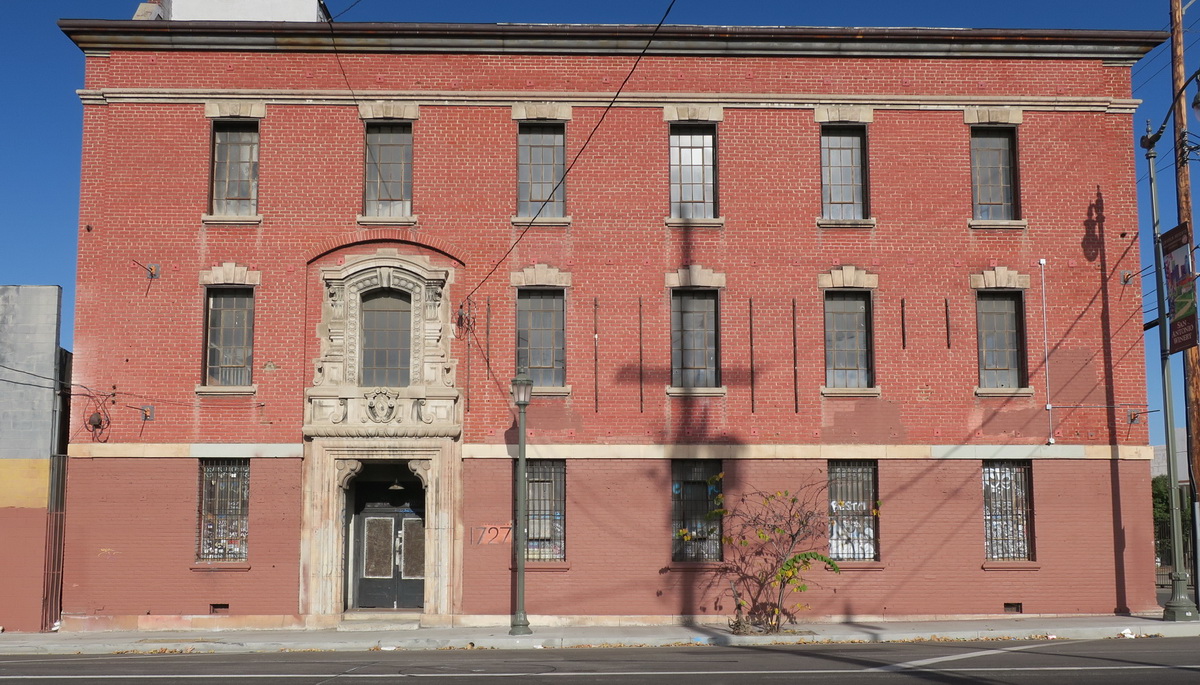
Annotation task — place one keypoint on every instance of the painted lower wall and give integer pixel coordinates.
(131, 542)
(1092, 523)
(130, 550)
(23, 539)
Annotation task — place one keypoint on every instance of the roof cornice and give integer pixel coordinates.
(606, 39)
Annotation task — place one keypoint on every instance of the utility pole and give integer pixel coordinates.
(1183, 203)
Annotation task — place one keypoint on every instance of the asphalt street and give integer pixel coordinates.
(1163, 660)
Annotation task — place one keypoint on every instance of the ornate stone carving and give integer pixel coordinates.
(421, 468)
(381, 405)
(346, 469)
(999, 277)
(429, 405)
(847, 277)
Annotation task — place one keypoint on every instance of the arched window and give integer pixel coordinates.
(386, 339)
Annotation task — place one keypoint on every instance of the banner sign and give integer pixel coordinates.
(1181, 286)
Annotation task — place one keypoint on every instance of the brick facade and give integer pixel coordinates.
(141, 341)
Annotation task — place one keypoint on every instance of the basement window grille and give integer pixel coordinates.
(695, 499)
(224, 509)
(1008, 510)
(853, 510)
(547, 510)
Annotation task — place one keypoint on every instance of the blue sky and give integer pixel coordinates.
(39, 167)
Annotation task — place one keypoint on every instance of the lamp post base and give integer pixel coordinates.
(1180, 606)
(520, 626)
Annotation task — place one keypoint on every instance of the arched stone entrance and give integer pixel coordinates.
(349, 425)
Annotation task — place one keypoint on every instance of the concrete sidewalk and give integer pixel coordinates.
(1094, 627)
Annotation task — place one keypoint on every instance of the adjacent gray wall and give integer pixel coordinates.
(29, 323)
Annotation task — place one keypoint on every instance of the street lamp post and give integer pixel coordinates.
(522, 390)
(1179, 607)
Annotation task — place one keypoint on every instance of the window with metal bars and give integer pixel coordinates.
(994, 173)
(235, 168)
(695, 352)
(844, 172)
(541, 336)
(849, 360)
(854, 510)
(224, 510)
(695, 487)
(387, 177)
(693, 171)
(1001, 319)
(547, 510)
(386, 339)
(229, 333)
(1008, 510)
(541, 159)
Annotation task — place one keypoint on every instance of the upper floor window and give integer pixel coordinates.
(229, 336)
(387, 177)
(386, 339)
(849, 354)
(541, 159)
(1001, 321)
(695, 352)
(994, 173)
(541, 336)
(844, 172)
(694, 171)
(235, 167)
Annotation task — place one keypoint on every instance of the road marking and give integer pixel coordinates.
(623, 674)
(920, 663)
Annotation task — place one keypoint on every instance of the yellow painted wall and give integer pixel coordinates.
(24, 483)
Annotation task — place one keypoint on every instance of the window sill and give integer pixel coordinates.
(861, 565)
(1003, 392)
(222, 220)
(1012, 224)
(541, 221)
(695, 566)
(547, 566)
(551, 390)
(1011, 566)
(718, 391)
(364, 220)
(220, 566)
(850, 392)
(219, 390)
(676, 222)
(846, 223)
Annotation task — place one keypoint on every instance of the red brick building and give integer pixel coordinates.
(888, 268)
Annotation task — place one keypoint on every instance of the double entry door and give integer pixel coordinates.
(387, 544)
